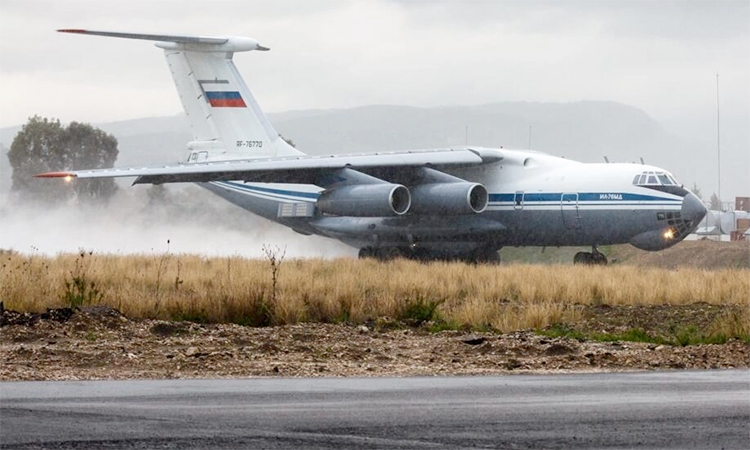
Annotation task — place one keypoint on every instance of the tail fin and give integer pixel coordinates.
(226, 121)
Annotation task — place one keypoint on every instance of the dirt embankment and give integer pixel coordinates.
(702, 254)
(100, 343)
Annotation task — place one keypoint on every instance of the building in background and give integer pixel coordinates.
(733, 224)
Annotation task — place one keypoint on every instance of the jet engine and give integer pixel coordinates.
(435, 192)
(366, 200)
(449, 198)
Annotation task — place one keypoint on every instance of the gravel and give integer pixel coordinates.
(100, 343)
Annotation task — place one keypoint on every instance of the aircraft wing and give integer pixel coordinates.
(296, 169)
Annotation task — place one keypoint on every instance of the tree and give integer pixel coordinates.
(696, 190)
(714, 202)
(45, 145)
(36, 149)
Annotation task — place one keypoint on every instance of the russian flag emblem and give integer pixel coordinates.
(225, 99)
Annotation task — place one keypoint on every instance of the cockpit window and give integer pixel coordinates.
(652, 178)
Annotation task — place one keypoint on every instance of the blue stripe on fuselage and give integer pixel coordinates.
(310, 195)
(528, 197)
(609, 197)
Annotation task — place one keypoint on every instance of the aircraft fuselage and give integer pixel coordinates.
(534, 200)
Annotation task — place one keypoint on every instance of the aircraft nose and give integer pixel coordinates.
(692, 209)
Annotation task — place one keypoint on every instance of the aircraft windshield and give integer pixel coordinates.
(655, 179)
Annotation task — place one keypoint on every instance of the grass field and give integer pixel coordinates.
(444, 295)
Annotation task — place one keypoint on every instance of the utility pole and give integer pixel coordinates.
(718, 153)
(718, 135)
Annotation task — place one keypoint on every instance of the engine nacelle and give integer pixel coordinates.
(366, 200)
(449, 198)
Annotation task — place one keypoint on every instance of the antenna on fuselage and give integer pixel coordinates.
(606, 160)
(641, 158)
(529, 137)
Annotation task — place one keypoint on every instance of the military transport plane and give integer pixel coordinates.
(460, 203)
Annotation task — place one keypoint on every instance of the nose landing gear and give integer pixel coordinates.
(593, 258)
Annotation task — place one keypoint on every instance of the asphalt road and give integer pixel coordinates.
(636, 410)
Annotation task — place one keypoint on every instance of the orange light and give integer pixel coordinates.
(669, 234)
(68, 178)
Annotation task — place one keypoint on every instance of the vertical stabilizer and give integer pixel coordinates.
(226, 121)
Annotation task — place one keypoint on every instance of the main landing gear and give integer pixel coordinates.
(382, 254)
(483, 256)
(477, 256)
(593, 258)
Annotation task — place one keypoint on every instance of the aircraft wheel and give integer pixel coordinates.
(387, 253)
(422, 255)
(483, 256)
(583, 258)
(493, 257)
(487, 256)
(599, 259)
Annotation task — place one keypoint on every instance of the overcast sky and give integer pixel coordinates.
(660, 56)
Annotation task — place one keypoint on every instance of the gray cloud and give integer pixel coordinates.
(660, 56)
(672, 19)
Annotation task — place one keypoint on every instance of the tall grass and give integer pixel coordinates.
(234, 289)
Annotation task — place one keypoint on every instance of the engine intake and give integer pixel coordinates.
(449, 198)
(366, 200)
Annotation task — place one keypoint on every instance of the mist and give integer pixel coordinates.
(189, 221)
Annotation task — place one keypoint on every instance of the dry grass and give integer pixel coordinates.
(234, 289)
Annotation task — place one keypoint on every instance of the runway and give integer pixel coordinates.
(612, 410)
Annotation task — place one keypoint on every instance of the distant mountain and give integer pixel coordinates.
(585, 131)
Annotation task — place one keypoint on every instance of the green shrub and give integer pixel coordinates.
(79, 290)
(419, 310)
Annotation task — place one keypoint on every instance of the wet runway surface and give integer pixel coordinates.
(635, 410)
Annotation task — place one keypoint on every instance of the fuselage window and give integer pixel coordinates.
(652, 180)
(664, 180)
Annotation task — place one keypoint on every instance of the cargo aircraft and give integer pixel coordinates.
(458, 203)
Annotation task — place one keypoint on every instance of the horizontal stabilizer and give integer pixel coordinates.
(197, 43)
